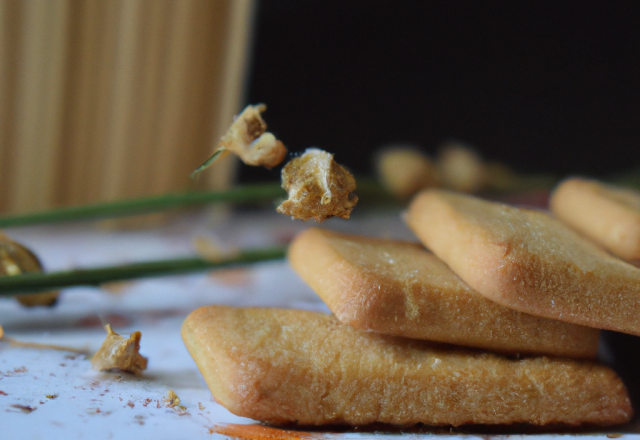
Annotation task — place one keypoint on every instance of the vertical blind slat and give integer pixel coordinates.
(105, 100)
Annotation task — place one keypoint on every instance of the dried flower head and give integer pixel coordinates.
(120, 353)
(318, 187)
(172, 399)
(249, 139)
(461, 168)
(405, 170)
(15, 259)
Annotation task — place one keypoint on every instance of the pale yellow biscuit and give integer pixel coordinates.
(398, 288)
(288, 366)
(528, 261)
(608, 215)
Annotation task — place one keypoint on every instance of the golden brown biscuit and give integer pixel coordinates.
(289, 366)
(528, 261)
(608, 215)
(398, 288)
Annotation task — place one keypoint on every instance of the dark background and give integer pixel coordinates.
(544, 86)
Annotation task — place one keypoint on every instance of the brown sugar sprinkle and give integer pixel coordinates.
(318, 187)
(24, 408)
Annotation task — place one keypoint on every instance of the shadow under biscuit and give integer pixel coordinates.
(621, 352)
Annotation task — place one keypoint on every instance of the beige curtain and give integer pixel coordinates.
(112, 99)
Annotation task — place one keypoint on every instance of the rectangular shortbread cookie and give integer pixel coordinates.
(289, 366)
(528, 261)
(608, 215)
(398, 288)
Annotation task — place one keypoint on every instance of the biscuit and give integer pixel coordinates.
(608, 215)
(297, 367)
(398, 288)
(528, 261)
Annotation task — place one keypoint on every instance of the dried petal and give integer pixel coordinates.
(118, 352)
(318, 187)
(15, 259)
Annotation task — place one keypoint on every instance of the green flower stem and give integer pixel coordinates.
(39, 282)
(245, 193)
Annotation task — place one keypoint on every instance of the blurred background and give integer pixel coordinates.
(114, 99)
(545, 86)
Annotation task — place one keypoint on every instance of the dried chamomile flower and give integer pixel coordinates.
(172, 399)
(318, 187)
(249, 139)
(118, 352)
(404, 171)
(461, 168)
(16, 259)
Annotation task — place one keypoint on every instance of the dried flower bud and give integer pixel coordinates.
(404, 171)
(172, 399)
(249, 139)
(318, 187)
(16, 259)
(120, 353)
(461, 168)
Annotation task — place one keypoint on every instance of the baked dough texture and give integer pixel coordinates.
(398, 288)
(608, 215)
(290, 366)
(528, 261)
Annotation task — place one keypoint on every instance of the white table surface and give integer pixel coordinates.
(97, 405)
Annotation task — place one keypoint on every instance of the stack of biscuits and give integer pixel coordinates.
(496, 323)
